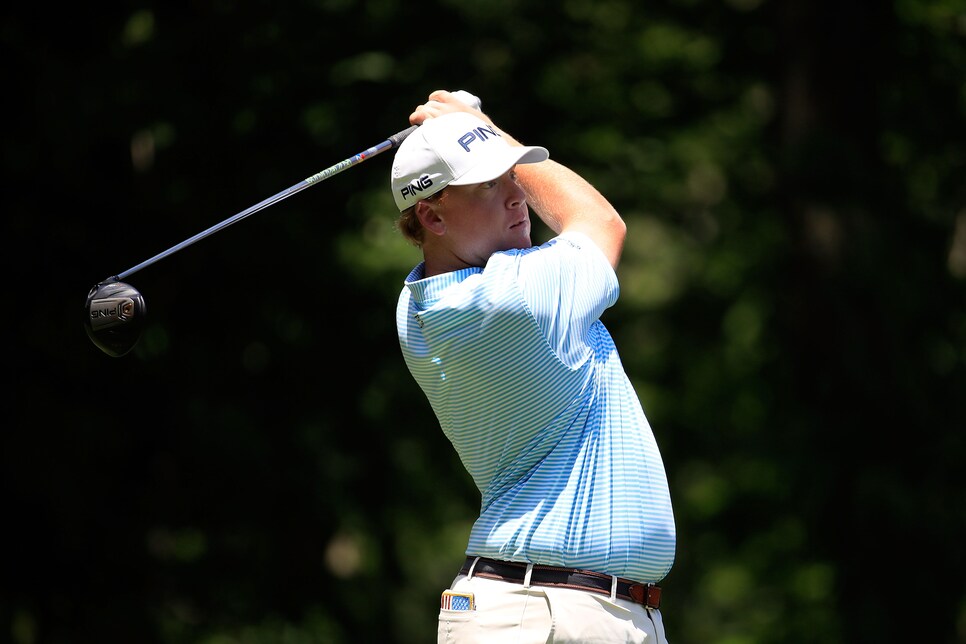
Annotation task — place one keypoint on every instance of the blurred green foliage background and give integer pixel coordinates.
(261, 468)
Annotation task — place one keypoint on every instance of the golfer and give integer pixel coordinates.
(575, 528)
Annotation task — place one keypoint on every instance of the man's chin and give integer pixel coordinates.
(521, 243)
(521, 237)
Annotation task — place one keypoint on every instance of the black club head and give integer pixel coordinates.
(114, 317)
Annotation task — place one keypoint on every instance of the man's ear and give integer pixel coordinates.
(426, 212)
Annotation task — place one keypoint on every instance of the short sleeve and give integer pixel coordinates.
(567, 284)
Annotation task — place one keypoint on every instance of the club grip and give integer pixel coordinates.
(399, 137)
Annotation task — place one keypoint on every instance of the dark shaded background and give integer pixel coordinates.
(261, 467)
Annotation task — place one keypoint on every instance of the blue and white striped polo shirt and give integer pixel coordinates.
(527, 385)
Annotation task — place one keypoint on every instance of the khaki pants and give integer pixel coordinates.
(485, 611)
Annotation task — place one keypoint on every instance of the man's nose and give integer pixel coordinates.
(517, 194)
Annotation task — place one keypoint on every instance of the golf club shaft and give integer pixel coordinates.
(390, 143)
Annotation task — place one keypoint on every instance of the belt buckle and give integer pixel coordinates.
(647, 594)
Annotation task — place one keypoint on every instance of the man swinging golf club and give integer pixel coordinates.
(505, 339)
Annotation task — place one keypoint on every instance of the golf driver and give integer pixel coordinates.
(115, 310)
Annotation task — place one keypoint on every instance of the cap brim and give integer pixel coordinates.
(500, 163)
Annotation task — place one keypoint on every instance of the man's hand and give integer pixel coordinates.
(443, 102)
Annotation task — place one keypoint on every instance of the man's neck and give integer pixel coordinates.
(442, 262)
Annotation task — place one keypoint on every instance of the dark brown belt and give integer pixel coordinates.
(646, 594)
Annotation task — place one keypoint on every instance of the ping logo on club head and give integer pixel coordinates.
(111, 311)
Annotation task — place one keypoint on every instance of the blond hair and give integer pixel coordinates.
(409, 224)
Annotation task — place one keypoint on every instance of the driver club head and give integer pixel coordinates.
(114, 317)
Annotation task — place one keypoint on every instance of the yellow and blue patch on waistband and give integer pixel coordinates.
(452, 600)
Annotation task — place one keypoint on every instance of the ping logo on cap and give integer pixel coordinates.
(476, 134)
(411, 189)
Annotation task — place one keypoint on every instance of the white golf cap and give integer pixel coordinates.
(454, 149)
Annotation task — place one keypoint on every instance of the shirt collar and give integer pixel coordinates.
(428, 290)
